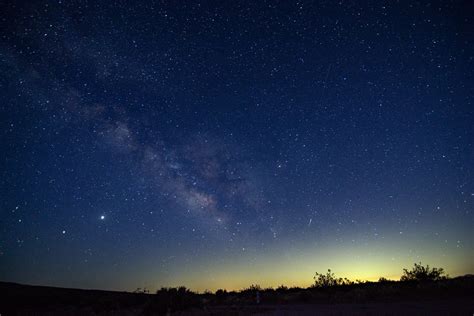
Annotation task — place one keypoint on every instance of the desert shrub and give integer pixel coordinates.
(139, 290)
(254, 287)
(328, 280)
(172, 299)
(304, 296)
(221, 292)
(422, 273)
(221, 295)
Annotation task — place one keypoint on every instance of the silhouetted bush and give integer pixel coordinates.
(139, 290)
(221, 296)
(328, 280)
(422, 273)
(253, 288)
(171, 300)
(384, 280)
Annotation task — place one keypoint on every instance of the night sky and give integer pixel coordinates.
(219, 144)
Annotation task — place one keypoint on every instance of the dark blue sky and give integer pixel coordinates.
(218, 144)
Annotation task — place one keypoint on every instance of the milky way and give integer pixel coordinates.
(225, 144)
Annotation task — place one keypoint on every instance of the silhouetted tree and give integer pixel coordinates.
(422, 273)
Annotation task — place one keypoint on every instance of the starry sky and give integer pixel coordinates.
(219, 144)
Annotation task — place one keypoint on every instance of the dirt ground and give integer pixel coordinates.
(443, 307)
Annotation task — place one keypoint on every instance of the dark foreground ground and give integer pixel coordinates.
(448, 297)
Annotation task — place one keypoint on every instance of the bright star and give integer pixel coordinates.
(102, 217)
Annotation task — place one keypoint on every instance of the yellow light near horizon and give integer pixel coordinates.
(296, 266)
